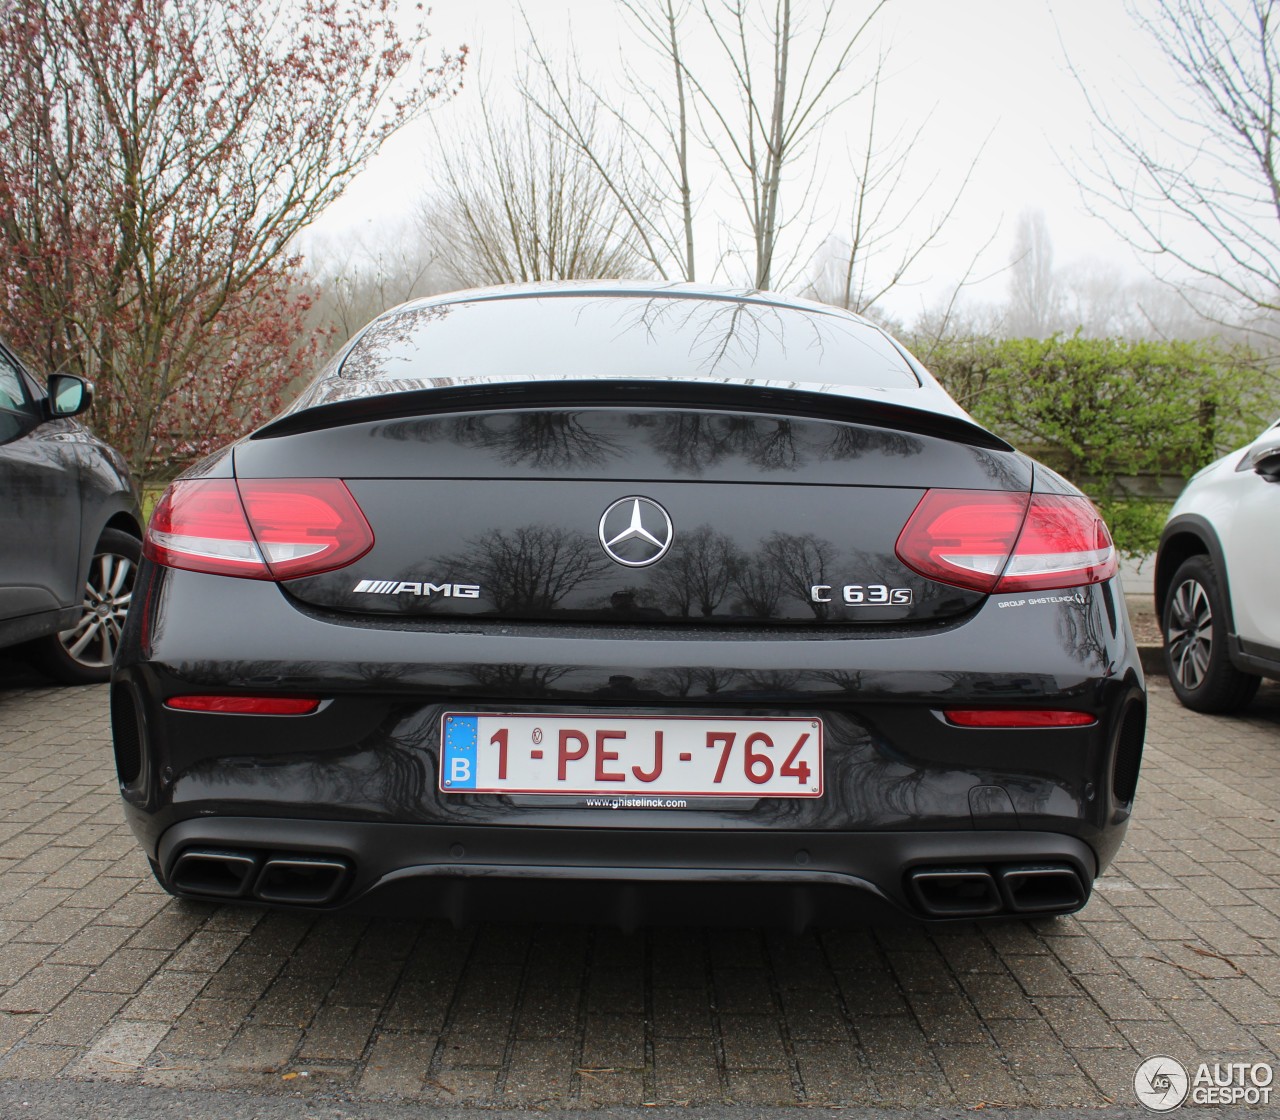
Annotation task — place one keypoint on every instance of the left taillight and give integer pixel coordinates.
(276, 529)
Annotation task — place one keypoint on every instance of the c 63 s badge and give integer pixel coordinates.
(862, 595)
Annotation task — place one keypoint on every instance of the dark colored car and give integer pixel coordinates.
(633, 603)
(69, 529)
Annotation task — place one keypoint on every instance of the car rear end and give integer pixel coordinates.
(628, 648)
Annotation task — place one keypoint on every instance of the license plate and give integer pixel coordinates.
(702, 756)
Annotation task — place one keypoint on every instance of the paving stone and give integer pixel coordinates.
(164, 997)
(895, 1044)
(947, 1021)
(1031, 1049)
(260, 1049)
(93, 945)
(123, 1047)
(758, 1087)
(397, 1064)
(477, 1042)
(340, 1033)
(43, 988)
(814, 1013)
(421, 1005)
(78, 1018)
(752, 1042)
(612, 1089)
(105, 976)
(18, 960)
(614, 1041)
(976, 1074)
(38, 1063)
(681, 1013)
(686, 1071)
(205, 1028)
(126, 970)
(833, 1073)
(744, 991)
(1120, 998)
(998, 997)
(537, 1072)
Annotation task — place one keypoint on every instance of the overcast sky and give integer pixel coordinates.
(974, 72)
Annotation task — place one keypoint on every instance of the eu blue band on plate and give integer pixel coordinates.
(459, 755)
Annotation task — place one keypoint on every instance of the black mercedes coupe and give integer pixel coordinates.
(632, 603)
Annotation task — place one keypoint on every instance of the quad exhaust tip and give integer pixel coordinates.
(300, 880)
(1050, 888)
(976, 892)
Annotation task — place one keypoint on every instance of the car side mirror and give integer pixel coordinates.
(1263, 458)
(1267, 464)
(68, 395)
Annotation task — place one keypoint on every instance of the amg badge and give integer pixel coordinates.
(413, 587)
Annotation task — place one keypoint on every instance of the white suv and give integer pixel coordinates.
(1218, 579)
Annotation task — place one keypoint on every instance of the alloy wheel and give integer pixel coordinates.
(93, 640)
(1190, 633)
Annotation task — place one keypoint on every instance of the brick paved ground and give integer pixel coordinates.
(102, 976)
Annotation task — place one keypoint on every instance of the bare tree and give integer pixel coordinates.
(1035, 296)
(359, 280)
(648, 174)
(851, 272)
(1195, 182)
(518, 201)
(755, 93)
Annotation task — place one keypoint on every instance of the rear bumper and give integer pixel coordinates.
(625, 876)
(356, 785)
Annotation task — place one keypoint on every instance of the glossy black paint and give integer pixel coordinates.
(60, 487)
(526, 471)
(522, 537)
(893, 764)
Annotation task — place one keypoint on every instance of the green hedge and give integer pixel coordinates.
(1105, 411)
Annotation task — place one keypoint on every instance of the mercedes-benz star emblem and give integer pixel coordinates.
(635, 532)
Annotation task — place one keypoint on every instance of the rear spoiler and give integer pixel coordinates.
(608, 393)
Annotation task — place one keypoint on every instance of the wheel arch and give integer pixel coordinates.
(125, 522)
(1186, 536)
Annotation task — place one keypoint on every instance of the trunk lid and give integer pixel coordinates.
(757, 518)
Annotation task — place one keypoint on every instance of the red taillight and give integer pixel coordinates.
(246, 705)
(1063, 544)
(258, 528)
(1004, 542)
(973, 717)
(962, 537)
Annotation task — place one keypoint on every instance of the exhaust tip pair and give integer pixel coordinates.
(301, 880)
(975, 892)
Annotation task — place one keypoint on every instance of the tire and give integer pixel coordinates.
(1196, 656)
(83, 654)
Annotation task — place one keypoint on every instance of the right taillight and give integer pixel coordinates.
(996, 541)
(258, 528)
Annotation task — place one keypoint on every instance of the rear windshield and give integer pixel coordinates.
(578, 336)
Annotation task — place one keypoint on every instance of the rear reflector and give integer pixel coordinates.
(258, 528)
(246, 705)
(973, 717)
(998, 542)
